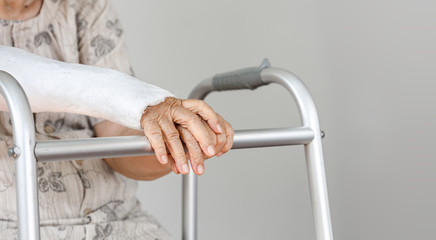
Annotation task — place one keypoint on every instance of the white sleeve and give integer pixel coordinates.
(54, 86)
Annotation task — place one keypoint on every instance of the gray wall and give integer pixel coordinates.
(370, 66)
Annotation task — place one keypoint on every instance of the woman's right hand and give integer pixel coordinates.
(204, 132)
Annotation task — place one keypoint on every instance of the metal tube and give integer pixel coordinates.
(313, 150)
(243, 139)
(107, 147)
(202, 89)
(314, 155)
(189, 181)
(63, 150)
(25, 166)
(60, 150)
(272, 137)
(189, 209)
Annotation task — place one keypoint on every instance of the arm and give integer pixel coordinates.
(54, 86)
(101, 43)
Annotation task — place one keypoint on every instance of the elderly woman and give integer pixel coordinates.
(93, 199)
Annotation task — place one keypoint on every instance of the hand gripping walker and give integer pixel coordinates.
(27, 151)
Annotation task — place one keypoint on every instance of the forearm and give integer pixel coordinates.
(53, 86)
(139, 168)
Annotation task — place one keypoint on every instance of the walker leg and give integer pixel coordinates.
(189, 209)
(318, 189)
(23, 152)
(314, 154)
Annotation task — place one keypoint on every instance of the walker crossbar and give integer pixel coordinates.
(25, 148)
(107, 147)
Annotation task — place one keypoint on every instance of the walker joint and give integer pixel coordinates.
(14, 152)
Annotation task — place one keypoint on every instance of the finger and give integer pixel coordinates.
(154, 134)
(174, 145)
(175, 170)
(195, 153)
(193, 123)
(220, 139)
(206, 112)
(221, 143)
(229, 138)
(172, 163)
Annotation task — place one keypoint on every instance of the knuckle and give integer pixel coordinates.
(230, 140)
(197, 159)
(147, 123)
(160, 149)
(180, 129)
(155, 134)
(202, 104)
(179, 157)
(173, 136)
(222, 139)
(192, 118)
(207, 142)
(213, 141)
(197, 153)
(231, 133)
(191, 140)
(228, 146)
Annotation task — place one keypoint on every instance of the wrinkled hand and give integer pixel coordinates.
(204, 132)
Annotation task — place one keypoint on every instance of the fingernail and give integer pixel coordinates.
(219, 128)
(200, 169)
(211, 150)
(185, 168)
(164, 159)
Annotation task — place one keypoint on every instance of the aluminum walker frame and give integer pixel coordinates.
(27, 151)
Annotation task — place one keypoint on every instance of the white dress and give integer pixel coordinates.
(78, 199)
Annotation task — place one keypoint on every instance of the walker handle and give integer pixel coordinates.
(247, 78)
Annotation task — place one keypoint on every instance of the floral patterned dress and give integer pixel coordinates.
(83, 199)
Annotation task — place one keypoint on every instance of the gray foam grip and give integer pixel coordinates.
(248, 78)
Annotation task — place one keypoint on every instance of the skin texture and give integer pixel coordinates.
(165, 114)
(204, 132)
(19, 9)
(167, 125)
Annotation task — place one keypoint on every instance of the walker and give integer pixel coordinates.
(27, 151)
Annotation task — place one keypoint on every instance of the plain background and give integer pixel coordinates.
(371, 68)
